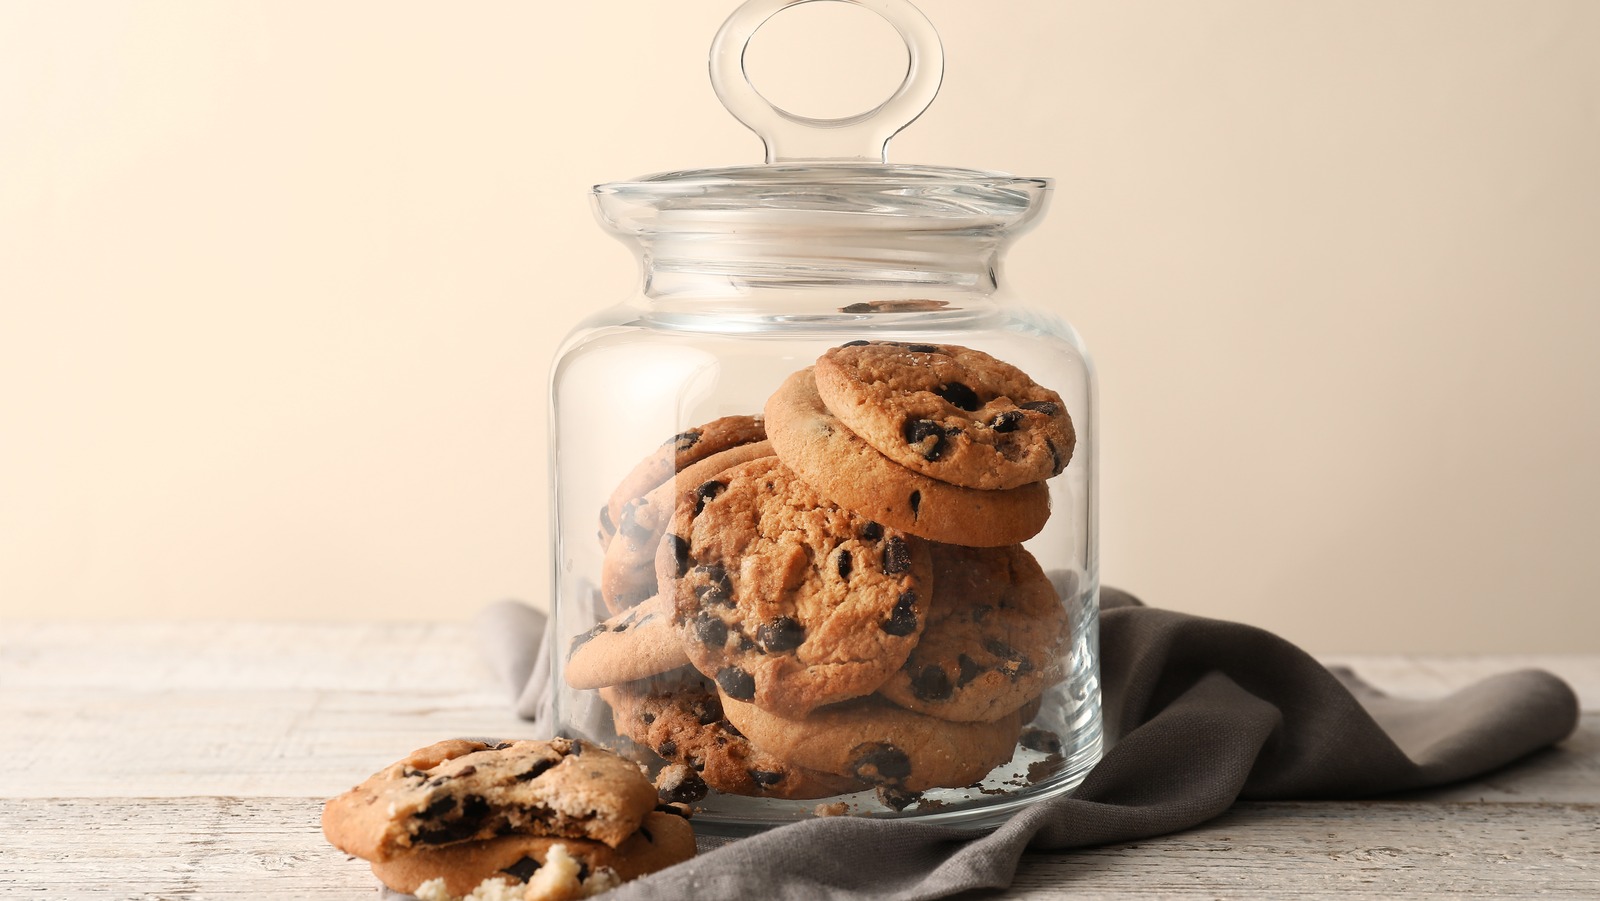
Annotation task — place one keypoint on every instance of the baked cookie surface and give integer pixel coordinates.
(633, 644)
(882, 744)
(681, 720)
(949, 412)
(628, 574)
(662, 840)
(677, 453)
(460, 790)
(785, 599)
(996, 632)
(848, 471)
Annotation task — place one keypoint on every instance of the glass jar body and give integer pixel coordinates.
(671, 360)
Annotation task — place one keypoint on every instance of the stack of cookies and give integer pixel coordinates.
(523, 820)
(834, 596)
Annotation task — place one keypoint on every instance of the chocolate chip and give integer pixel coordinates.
(896, 556)
(718, 589)
(903, 620)
(466, 771)
(605, 518)
(576, 749)
(1016, 667)
(927, 436)
(897, 798)
(668, 749)
(680, 554)
(710, 630)
(523, 869)
(932, 684)
(981, 612)
(583, 871)
(1056, 463)
(473, 811)
(922, 348)
(916, 503)
(537, 770)
(848, 310)
(1006, 422)
(1041, 406)
(1041, 740)
(880, 763)
(698, 764)
(765, 779)
(844, 565)
(745, 644)
(960, 395)
(871, 532)
(969, 670)
(685, 440)
(583, 638)
(679, 785)
(705, 493)
(629, 526)
(410, 773)
(706, 710)
(781, 634)
(856, 308)
(647, 717)
(439, 808)
(642, 831)
(736, 683)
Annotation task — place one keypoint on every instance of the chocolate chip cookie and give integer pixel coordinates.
(628, 573)
(995, 636)
(633, 644)
(675, 454)
(880, 743)
(949, 412)
(785, 599)
(662, 840)
(460, 790)
(681, 720)
(848, 471)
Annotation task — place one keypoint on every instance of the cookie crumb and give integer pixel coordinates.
(836, 809)
(560, 879)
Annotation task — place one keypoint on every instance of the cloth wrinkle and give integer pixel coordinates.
(1199, 714)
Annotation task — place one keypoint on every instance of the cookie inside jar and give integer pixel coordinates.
(809, 619)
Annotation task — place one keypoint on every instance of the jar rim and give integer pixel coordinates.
(884, 195)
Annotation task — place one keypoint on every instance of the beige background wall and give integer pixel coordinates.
(280, 283)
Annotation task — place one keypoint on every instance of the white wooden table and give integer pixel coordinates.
(190, 760)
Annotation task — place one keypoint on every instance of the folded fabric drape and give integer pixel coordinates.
(1199, 712)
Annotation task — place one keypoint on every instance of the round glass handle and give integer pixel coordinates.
(791, 137)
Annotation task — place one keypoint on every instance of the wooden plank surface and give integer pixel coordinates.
(190, 760)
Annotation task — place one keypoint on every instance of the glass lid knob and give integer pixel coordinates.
(790, 137)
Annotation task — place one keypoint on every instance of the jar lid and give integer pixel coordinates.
(824, 173)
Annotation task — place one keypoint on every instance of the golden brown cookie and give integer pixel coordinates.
(849, 472)
(681, 720)
(628, 574)
(636, 643)
(880, 743)
(996, 632)
(677, 453)
(460, 790)
(662, 840)
(949, 412)
(785, 599)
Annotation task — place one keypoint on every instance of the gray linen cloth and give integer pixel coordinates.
(1199, 713)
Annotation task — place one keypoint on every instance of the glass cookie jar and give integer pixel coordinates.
(824, 493)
